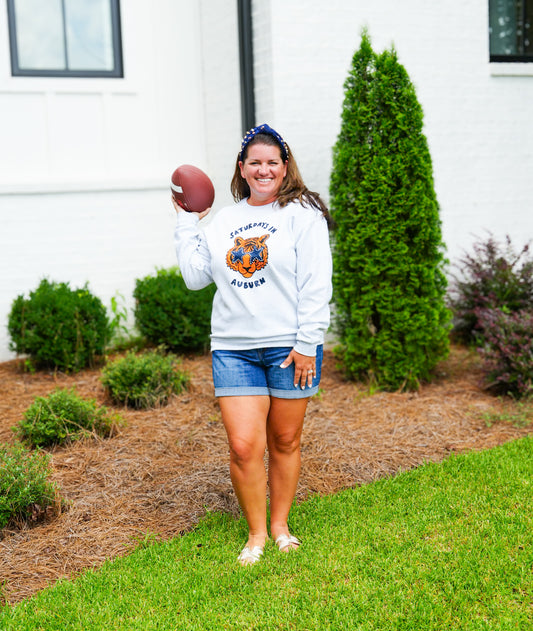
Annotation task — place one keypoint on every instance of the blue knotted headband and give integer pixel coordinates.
(264, 129)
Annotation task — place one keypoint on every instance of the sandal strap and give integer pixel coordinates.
(252, 555)
(284, 541)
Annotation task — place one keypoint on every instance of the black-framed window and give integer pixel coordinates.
(511, 30)
(65, 38)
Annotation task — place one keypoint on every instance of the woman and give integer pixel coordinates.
(269, 257)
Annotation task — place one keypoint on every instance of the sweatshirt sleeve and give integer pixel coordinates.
(313, 278)
(192, 252)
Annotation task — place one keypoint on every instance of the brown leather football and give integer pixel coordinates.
(192, 189)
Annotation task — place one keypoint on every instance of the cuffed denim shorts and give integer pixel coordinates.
(257, 372)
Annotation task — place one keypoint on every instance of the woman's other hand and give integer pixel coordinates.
(304, 368)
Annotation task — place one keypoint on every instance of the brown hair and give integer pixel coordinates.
(292, 188)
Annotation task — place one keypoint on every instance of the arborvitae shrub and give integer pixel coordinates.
(144, 381)
(507, 350)
(493, 276)
(170, 315)
(26, 491)
(389, 282)
(63, 416)
(59, 327)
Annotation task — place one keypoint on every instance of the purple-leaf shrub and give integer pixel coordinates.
(508, 350)
(494, 276)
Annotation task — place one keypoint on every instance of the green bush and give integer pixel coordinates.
(143, 381)
(492, 276)
(25, 488)
(170, 315)
(389, 283)
(63, 417)
(59, 327)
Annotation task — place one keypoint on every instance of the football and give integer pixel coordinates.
(192, 189)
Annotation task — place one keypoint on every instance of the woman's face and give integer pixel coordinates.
(264, 170)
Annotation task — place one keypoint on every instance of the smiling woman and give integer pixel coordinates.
(73, 38)
(269, 257)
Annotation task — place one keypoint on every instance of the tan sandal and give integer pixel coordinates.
(249, 557)
(284, 541)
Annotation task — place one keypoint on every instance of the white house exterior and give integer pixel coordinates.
(85, 162)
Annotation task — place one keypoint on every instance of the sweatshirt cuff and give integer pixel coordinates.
(185, 218)
(305, 349)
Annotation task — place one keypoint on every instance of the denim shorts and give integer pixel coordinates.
(257, 372)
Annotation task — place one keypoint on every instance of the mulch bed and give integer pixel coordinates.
(166, 466)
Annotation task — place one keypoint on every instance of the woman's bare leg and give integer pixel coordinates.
(284, 430)
(245, 419)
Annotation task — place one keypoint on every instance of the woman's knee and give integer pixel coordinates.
(285, 443)
(243, 452)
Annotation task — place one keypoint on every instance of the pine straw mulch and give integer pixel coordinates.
(166, 466)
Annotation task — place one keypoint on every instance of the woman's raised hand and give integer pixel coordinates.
(179, 209)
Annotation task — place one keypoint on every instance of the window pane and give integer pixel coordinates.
(528, 27)
(503, 27)
(89, 35)
(76, 38)
(40, 34)
(510, 27)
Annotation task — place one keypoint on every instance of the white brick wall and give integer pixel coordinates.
(478, 125)
(221, 77)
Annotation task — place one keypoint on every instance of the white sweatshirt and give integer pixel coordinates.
(272, 269)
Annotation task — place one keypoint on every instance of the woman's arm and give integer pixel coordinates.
(193, 255)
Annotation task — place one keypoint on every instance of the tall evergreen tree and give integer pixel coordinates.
(389, 282)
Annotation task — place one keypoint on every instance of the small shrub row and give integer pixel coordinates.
(26, 491)
(139, 381)
(69, 329)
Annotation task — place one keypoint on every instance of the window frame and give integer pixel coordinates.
(116, 73)
(515, 58)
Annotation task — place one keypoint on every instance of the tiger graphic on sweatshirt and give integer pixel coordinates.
(248, 255)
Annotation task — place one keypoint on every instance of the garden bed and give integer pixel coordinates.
(158, 476)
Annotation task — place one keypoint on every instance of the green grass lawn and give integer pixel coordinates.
(445, 546)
